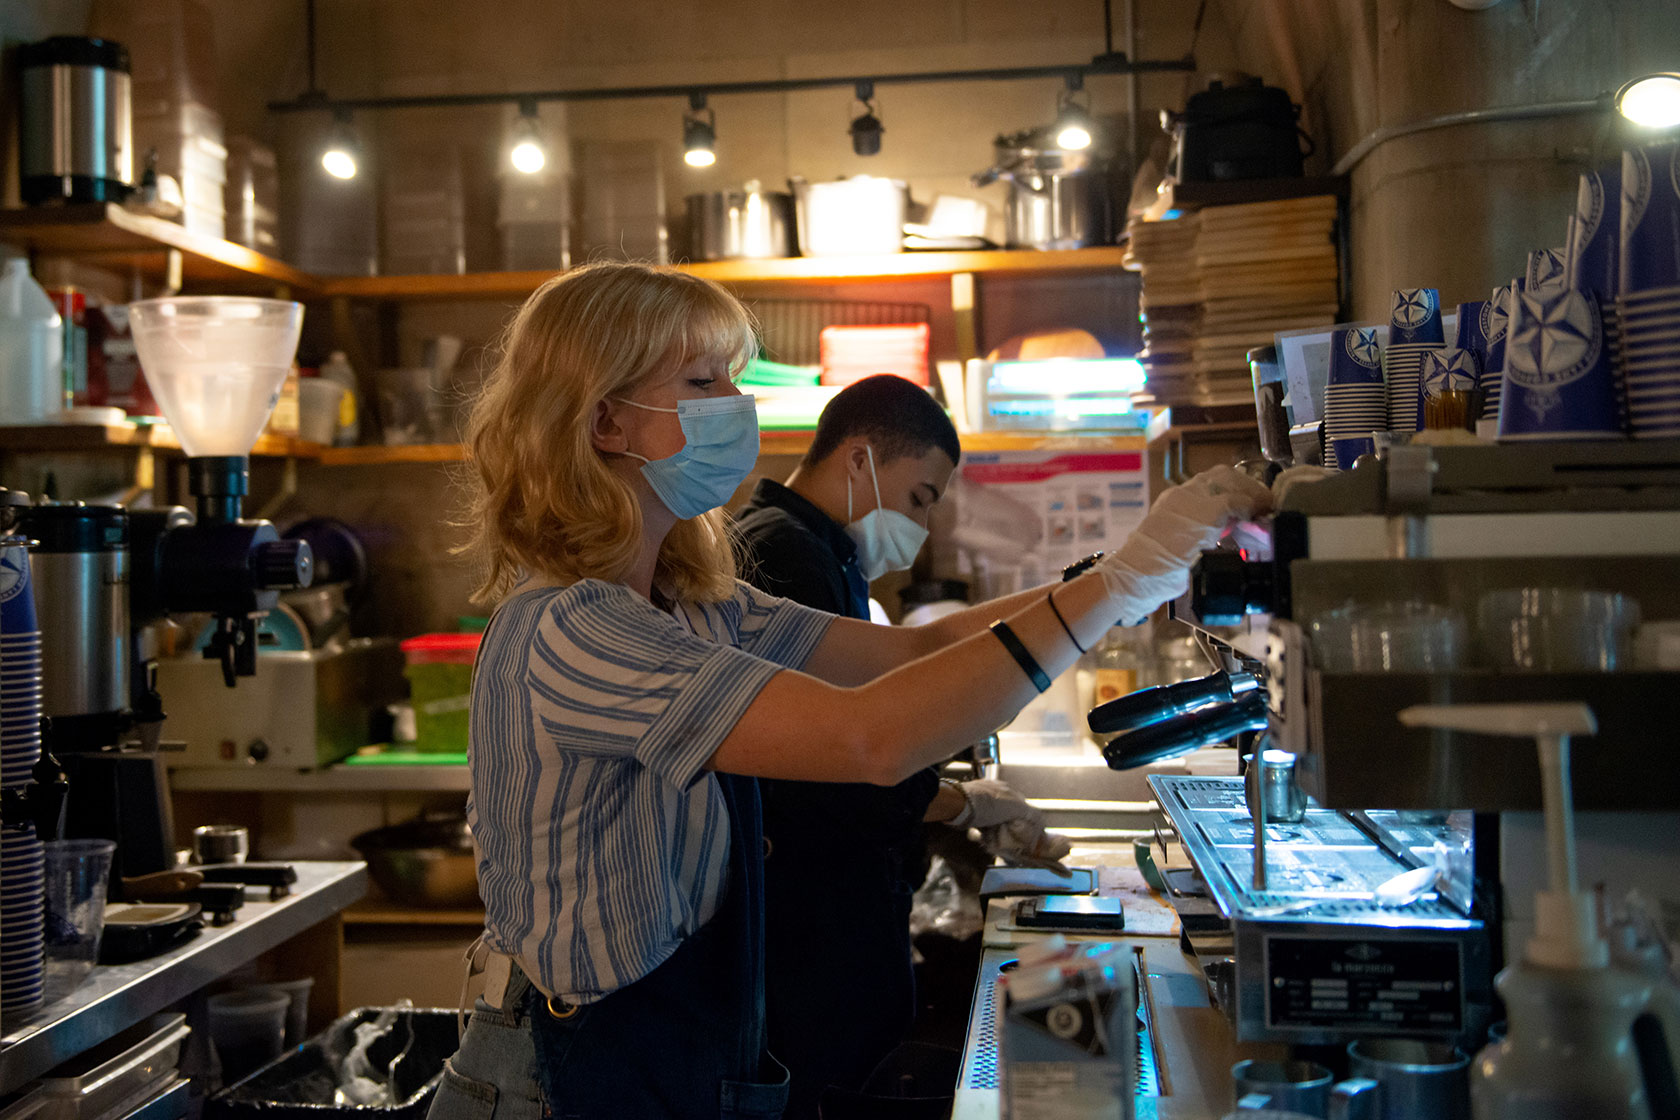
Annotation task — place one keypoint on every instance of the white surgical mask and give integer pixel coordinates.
(887, 541)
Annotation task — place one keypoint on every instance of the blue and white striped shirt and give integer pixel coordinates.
(602, 841)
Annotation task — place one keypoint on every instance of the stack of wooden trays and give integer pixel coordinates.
(1165, 253)
(1224, 281)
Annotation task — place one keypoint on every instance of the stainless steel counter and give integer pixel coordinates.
(117, 996)
(1192, 1047)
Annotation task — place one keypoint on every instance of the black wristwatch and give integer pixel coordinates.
(1081, 566)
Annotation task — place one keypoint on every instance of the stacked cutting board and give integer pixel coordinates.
(1222, 280)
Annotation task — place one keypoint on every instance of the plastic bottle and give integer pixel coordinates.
(1568, 1051)
(337, 368)
(31, 349)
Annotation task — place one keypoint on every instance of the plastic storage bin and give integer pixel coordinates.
(299, 1085)
(439, 673)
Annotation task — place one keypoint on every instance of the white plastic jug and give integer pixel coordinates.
(31, 349)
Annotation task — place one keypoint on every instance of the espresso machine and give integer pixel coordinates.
(1293, 905)
(103, 574)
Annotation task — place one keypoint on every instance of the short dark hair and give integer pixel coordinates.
(898, 416)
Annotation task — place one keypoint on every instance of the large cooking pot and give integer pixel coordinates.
(1058, 198)
(425, 862)
(748, 224)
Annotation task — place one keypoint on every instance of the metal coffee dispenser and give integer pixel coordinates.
(104, 574)
(1295, 912)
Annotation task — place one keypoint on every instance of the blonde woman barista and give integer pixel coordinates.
(630, 688)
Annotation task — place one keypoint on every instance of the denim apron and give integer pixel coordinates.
(684, 1042)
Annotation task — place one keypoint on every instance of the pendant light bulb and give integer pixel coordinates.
(699, 133)
(340, 158)
(866, 130)
(1651, 101)
(528, 154)
(1073, 129)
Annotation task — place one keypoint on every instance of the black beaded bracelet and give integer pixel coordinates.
(1050, 597)
(1033, 670)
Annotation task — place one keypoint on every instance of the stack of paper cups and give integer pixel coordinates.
(1649, 300)
(1414, 327)
(1355, 401)
(21, 873)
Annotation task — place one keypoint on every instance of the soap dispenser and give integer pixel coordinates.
(1568, 1051)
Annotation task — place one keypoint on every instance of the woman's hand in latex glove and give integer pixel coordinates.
(1153, 566)
(990, 803)
(1024, 843)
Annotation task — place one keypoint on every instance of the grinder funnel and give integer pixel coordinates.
(216, 364)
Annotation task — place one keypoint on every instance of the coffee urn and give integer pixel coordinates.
(75, 134)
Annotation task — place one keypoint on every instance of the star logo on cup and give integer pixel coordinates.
(11, 572)
(1445, 370)
(1545, 269)
(1496, 314)
(1362, 346)
(1551, 339)
(1412, 307)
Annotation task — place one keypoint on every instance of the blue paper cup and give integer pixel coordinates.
(1416, 317)
(1558, 383)
(1650, 218)
(1595, 234)
(17, 599)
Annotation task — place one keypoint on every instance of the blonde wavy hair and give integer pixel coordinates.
(542, 501)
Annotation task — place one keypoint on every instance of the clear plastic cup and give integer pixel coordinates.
(248, 1028)
(77, 874)
(1407, 637)
(1557, 629)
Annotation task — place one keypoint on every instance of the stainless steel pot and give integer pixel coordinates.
(748, 223)
(1058, 199)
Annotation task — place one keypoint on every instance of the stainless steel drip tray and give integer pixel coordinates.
(1326, 860)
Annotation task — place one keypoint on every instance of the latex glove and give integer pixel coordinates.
(1297, 476)
(1153, 566)
(1023, 842)
(990, 803)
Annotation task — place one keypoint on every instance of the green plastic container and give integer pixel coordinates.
(439, 673)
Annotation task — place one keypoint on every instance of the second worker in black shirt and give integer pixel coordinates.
(844, 859)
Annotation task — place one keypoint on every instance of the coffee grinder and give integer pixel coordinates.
(103, 574)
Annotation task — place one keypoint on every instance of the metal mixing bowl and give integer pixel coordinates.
(426, 862)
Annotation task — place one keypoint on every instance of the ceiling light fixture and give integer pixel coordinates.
(1073, 126)
(1651, 100)
(699, 133)
(339, 159)
(866, 130)
(529, 154)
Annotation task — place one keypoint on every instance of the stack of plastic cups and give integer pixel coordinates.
(1592, 262)
(1496, 319)
(21, 874)
(1355, 402)
(1649, 299)
(1414, 327)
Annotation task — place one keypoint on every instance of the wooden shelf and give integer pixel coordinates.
(108, 234)
(104, 233)
(770, 443)
(383, 912)
(123, 437)
(1172, 425)
(889, 266)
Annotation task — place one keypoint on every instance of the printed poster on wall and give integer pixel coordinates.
(1024, 515)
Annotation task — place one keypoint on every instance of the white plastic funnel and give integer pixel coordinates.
(216, 364)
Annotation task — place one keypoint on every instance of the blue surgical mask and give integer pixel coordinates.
(887, 541)
(722, 435)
